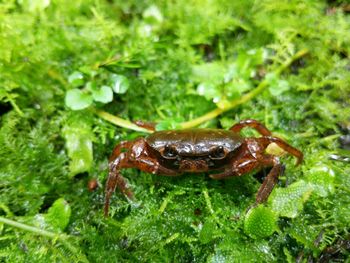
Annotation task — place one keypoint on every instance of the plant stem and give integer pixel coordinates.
(120, 122)
(64, 239)
(17, 109)
(212, 114)
(33, 229)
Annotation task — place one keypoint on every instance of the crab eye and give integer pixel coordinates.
(217, 153)
(169, 152)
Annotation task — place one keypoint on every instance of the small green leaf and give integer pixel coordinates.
(153, 15)
(207, 232)
(79, 145)
(77, 99)
(239, 85)
(213, 73)
(76, 79)
(260, 222)
(321, 178)
(88, 71)
(289, 201)
(276, 86)
(58, 214)
(120, 83)
(103, 94)
(209, 91)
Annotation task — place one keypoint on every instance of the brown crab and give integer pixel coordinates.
(173, 152)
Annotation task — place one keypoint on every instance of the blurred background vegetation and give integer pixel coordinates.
(64, 65)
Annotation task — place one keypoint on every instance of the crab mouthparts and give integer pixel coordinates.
(193, 166)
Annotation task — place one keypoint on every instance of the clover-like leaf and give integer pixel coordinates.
(120, 84)
(77, 99)
(103, 94)
(260, 222)
(76, 79)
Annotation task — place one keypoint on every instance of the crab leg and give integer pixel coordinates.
(245, 165)
(255, 158)
(266, 140)
(270, 180)
(134, 156)
(252, 124)
(115, 179)
(238, 168)
(147, 125)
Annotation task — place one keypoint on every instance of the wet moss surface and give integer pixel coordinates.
(75, 74)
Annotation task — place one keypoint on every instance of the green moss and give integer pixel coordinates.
(176, 63)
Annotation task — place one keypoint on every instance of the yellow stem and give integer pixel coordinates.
(120, 122)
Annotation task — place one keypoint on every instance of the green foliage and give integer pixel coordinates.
(260, 222)
(276, 85)
(170, 62)
(58, 214)
(321, 177)
(120, 83)
(103, 94)
(289, 201)
(78, 99)
(77, 134)
(222, 82)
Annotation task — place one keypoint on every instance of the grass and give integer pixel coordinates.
(75, 74)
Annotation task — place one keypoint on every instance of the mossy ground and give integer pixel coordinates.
(170, 62)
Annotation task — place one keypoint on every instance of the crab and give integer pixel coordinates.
(223, 153)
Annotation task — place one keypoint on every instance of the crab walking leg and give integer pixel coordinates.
(135, 156)
(238, 168)
(251, 124)
(115, 179)
(243, 166)
(150, 165)
(118, 150)
(270, 180)
(266, 140)
(147, 125)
